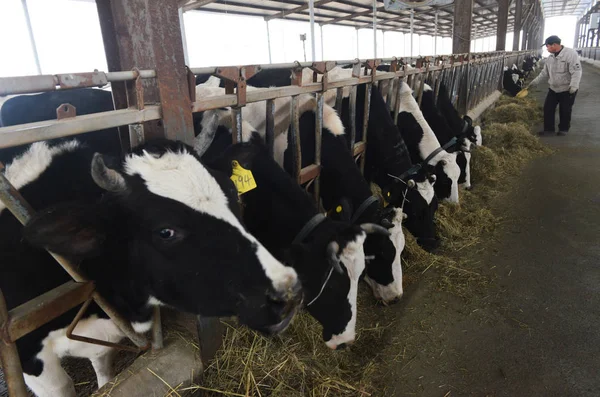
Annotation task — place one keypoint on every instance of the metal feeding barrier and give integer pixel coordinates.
(481, 74)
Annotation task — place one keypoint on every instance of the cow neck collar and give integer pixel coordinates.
(362, 208)
(415, 168)
(309, 227)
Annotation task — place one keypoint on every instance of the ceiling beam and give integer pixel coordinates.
(296, 10)
(193, 5)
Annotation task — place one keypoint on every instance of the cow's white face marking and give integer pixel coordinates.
(478, 136)
(27, 167)
(466, 145)
(451, 169)
(426, 190)
(393, 290)
(427, 88)
(181, 177)
(352, 258)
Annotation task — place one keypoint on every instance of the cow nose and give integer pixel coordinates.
(468, 187)
(341, 346)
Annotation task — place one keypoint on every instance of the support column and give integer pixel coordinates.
(322, 45)
(269, 41)
(357, 52)
(374, 28)
(435, 34)
(502, 25)
(463, 16)
(149, 37)
(36, 58)
(412, 22)
(576, 40)
(518, 21)
(313, 49)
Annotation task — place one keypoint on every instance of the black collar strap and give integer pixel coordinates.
(465, 127)
(309, 227)
(366, 204)
(415, 168)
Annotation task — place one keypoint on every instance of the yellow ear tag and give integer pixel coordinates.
(338, 209)
(389, 194)
(242, 178)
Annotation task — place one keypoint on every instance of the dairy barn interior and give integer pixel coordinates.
(295, 198)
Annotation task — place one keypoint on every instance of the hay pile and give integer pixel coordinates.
(298, 363)
(514, 110)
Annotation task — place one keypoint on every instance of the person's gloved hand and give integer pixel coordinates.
(572, 90)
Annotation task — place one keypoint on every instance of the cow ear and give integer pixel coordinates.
(73, 230)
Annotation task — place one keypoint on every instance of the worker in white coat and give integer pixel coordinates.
(563, 71)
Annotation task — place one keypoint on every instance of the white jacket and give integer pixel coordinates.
(563, 71)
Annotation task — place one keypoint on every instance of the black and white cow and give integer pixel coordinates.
(511, 80)
(384, 273)
(347, 196)
(328, 255)
(154, 227)
(463, 125)
(387, 159)
(445, 135)
(423, 146)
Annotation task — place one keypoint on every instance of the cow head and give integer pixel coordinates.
(416, 198)
(166, 232)
(330, 264)
(382, 247)
(447, 171)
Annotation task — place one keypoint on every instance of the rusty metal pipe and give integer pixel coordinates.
(42, 130)
(9, 358)
(52, 82)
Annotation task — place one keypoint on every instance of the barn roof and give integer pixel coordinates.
(359, 13)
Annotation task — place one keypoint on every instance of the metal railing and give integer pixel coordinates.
(483, 74)
(590, 53)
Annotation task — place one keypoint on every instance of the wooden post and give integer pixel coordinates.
(517, 27)
(502, 25)
(146, 34)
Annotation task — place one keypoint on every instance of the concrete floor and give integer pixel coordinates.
(536, 331)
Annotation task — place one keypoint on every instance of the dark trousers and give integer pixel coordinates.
(565, 102)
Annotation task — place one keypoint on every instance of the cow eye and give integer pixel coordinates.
(166, 234)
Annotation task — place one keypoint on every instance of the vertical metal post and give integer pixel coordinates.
(236, 130)
(311, 10)
(365, 125)
(357, 52)
(322, 45)
(318, 144)
(183, 37)
(269, 42)
(294, 139)
(352, 117)
(435, 32)
(375, 29)
(31, 37)
(9, 359)
(412, 21)
(270, 127)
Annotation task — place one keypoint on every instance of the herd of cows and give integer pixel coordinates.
(165, 224)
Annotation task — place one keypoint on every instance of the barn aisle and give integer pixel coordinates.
(534, 330)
